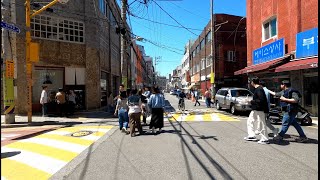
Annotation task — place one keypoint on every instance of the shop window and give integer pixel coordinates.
(269, 29)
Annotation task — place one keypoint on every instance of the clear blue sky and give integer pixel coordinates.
(193, 14)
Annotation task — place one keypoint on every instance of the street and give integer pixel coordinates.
(200, 143)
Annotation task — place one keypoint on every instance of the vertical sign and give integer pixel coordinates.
(307, 43)
(8, 98)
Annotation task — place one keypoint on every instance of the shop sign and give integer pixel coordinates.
(307, 43)
(269, 52)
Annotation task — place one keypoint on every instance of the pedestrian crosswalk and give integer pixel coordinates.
(42, 156)
(202, 116)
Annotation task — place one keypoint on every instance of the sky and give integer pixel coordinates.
(165, 42)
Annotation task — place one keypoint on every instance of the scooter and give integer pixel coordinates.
(276, 114)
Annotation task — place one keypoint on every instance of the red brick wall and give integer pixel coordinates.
(293, 16)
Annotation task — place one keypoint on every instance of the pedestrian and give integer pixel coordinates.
(156, 105)
(196, 96)
(44, 101)
(208, 96)
(268, 123)
(135, 109)
(289, 102)
(259, 107)
(121, 90)
(61, 101)
(144, 102)
(122, 112)
(71, 101)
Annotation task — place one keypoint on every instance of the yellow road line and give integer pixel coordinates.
(207, 117)
(190, 117)
(226, 118)
(44, 150)
(70, 139)
(10, 168)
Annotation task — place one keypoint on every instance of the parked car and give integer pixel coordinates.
(234, 99)
(173, 92)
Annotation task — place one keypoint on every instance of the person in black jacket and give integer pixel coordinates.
(260, 107)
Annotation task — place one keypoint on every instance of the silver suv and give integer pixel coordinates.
(235, 99)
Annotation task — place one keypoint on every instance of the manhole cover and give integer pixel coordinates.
(81, 133)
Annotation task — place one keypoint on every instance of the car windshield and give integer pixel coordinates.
(238, 93)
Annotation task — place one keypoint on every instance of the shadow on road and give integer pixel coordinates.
(9, 154)
(222, 171)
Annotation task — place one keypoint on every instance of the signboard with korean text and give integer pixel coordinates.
(307, 43)
(269, 52)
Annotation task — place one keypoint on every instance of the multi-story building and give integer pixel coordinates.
(282, 39)
(185, 68)
(230, 53)
(79, 50)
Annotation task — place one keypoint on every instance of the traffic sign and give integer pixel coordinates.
(10, 27)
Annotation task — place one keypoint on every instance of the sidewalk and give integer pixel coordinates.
(38, 120)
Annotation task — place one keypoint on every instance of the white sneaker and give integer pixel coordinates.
(275, 132)
(124, 130)
(250, 138)
(263, 142)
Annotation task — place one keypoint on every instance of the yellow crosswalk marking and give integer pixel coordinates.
(79, 128)
(190, 117)
(11, 169)
(44, 150)
(207, 117)
(70, 139)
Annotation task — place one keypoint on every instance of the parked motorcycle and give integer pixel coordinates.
(304, 117)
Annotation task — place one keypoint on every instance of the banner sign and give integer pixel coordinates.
(269, 52)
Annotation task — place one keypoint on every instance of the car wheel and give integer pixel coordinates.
(307, 121)
(232, 109)
(218, 105)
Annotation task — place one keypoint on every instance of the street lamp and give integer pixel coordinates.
(28, 50)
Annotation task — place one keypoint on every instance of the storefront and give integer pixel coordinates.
(300, 68)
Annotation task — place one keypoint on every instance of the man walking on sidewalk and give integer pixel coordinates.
(44, 101)
(259, 109)
(196, 96)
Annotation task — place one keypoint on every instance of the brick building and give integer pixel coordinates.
(230, 56)
(79, 50)
(282, 39)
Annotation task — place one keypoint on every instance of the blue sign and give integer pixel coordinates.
(307, 43)
(269, 52)
(10, 27)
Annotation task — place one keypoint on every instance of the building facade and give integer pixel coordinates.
(282, 40)
(230, 54)
(79, 50)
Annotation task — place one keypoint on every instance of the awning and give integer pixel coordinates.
(298, 64)
(262, 66)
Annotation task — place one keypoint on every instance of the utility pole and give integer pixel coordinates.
(123, 41)
(8, 70)
(213, 53)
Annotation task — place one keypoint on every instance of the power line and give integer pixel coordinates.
(173, 18)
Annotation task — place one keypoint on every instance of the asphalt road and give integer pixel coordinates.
(196, 150)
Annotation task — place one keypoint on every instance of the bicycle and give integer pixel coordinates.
(181, 104)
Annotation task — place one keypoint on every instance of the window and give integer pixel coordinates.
(208, 37)
(230, 56)
(203, 63)
(58, 29)
(269, 29)
(193, 53)
(202, 43)
(102, 6)
(209, 59)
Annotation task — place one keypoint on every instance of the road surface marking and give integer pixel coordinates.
(200, 117)
(41, 156)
